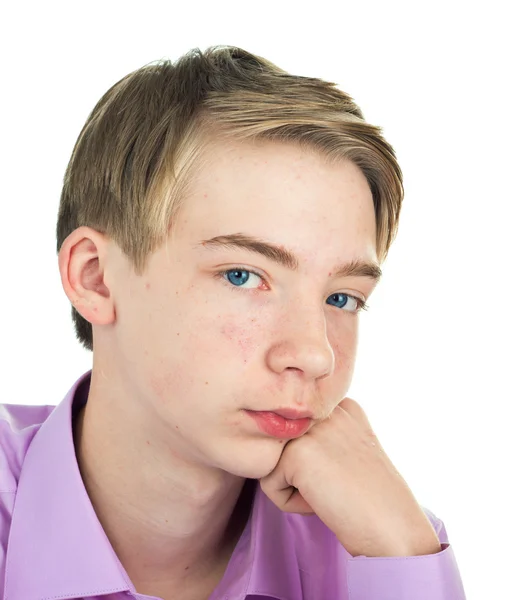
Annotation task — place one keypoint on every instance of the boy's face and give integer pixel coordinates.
(197, 348)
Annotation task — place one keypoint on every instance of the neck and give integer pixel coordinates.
(171, 523)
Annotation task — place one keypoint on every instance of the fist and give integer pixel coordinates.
(339, 471)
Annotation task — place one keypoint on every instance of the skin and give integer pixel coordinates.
(163, 444)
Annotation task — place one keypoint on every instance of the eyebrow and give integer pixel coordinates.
(286, 258)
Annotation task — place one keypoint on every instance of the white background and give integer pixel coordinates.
(433, 371)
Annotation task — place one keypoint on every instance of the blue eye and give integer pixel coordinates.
(341, 300)
(239, 277)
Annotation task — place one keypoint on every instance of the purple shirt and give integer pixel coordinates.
(52, 545)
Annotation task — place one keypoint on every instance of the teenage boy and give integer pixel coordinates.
(221, 226)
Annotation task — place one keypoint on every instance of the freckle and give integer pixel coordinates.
(148, 442)
(186, 568)
(206, 383)
(176, 427)
(177, 334)
(166, 520)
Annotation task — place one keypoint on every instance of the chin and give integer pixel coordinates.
(254, 463)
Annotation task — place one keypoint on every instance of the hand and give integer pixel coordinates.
(339, 471)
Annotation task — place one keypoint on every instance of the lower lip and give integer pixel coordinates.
(277, 426)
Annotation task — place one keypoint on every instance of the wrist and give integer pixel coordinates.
(423, 545)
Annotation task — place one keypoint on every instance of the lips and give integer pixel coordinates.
(278, 426)
(293, 413)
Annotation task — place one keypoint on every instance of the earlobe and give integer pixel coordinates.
(81, 267)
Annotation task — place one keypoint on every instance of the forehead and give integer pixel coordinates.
(282, 191)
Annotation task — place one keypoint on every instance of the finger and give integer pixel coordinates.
(285, 496)
(356, 411)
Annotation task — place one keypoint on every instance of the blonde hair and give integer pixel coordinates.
(133, 160)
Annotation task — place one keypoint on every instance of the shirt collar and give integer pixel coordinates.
(58, 549)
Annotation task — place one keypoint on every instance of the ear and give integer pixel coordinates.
(82, 265)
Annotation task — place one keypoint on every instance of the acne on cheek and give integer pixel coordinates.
(177, 383)
(163, 384)
(244, 338)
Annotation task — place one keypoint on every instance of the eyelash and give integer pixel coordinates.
(361, 304)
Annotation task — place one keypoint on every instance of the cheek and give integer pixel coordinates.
(164, 384)
(344, 346)
(241, 338)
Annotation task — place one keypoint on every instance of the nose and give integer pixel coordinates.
(302, 344)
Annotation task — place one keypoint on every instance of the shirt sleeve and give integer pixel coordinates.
(429, 577)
